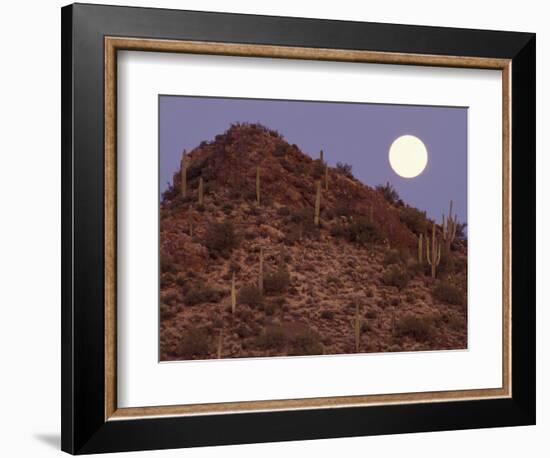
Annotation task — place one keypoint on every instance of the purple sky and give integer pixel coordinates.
(357, 133)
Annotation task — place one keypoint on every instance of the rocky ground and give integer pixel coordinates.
(351, 284)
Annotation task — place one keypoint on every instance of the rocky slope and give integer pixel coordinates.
(351, 283)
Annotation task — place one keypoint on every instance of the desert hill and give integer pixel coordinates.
(266, 251)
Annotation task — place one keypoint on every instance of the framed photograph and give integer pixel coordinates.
(280, 229)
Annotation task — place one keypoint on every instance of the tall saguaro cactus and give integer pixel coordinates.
(183, 174)
(220, 344)
(201, 191)
(448, 227)
(326, 177)
(420, 249)
(321, 155)
(261, 271)
(434, 256)
(356, 324)
(258, 186)
(233, 295)
(317, 203)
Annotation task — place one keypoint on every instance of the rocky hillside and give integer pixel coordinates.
(266, 251)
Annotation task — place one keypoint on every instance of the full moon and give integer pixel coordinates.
(408, 156)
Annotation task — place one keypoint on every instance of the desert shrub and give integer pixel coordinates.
(414, 219)
(327, 314)
(301, 226)
(371, 314)
(419, 328)
(167, 279)
(243, 331)
(304, 341)
(360, 231)
(167, 311)
(168, 263)
(453, 321)
(280, 149)
(273, 337)
(388, 192)
(396, 276)
(169, 296)
(392, 257)
(446, 263)
(447, 292)
(194, 344)
(461, 231)
(283, 211)
(395, 301)
(200, 293)
(221, 238)
(276, 282)
(250, 295)
(227, 208)
(344, 169)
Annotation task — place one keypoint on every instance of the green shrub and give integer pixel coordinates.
(396, 276)
(360, 231)
(200, 293)
(327, 314)
(221, 238)
(250, 295)
(283, 211)
(344, 169)
(304, 341)
(194, 344)
(388, 192)
(392, 257)
(419, 328)
(273, 337)
(276, 282)
(414, 219)
(446, 292)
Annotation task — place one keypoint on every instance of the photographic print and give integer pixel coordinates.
(300, 228)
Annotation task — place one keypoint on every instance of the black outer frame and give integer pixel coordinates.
(84, 429)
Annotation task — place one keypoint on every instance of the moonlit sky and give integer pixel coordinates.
(357, 133)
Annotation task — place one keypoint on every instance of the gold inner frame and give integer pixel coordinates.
(114, 44)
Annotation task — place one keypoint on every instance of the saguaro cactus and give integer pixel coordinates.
(261, 271)
(321, 154)
(326, 177)
(233, 295)
(220, 344)
(356, 325)
(201, 191)
(183, 174)
(448, 227)
(258, 186)
(434, 256)
(317, 203)
(420, 249)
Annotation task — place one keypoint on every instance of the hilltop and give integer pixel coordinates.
(250, 268)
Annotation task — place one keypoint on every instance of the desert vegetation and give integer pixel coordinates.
(268, 251)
